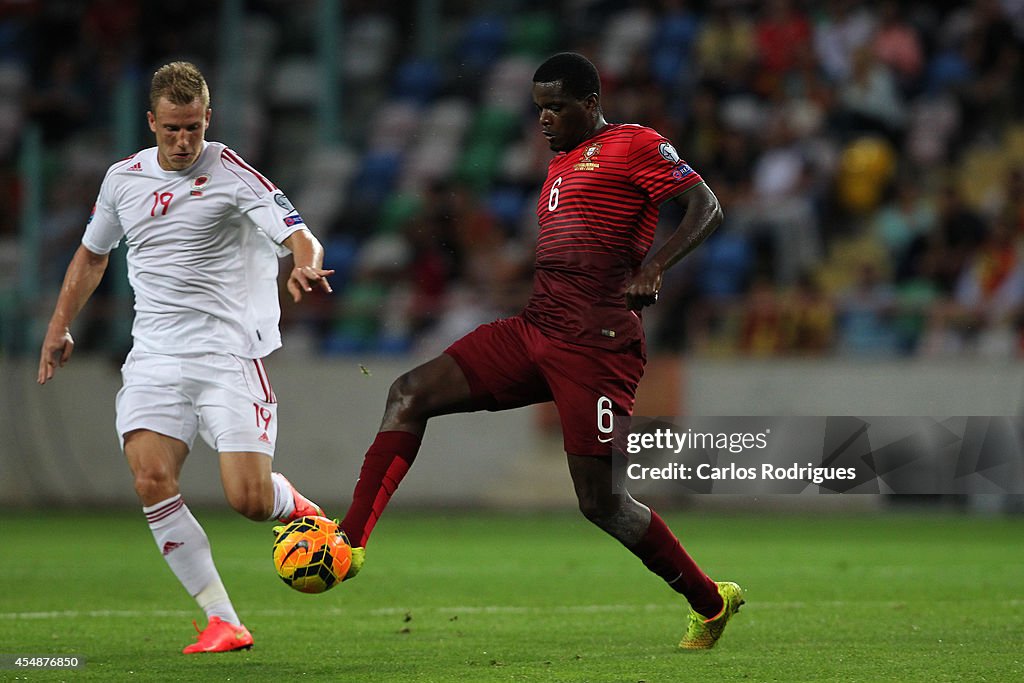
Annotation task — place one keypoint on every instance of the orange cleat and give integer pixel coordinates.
(304, 507)
(220, 636)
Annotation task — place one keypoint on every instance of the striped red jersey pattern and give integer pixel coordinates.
(598, 211)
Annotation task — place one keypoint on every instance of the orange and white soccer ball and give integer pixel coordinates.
(312, 554)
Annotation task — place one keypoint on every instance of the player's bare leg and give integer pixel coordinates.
(437, 387)
(156, 461)
(603, 500)
(256, 492)
(617, 513)
(247, 484)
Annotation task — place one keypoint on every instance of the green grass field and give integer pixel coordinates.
(488, 597)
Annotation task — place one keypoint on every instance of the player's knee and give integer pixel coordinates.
(406, 398)
(254, 509)
(154, 483)
(251, 502)
(596, 508)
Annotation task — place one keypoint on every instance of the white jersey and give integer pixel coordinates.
(203, 247)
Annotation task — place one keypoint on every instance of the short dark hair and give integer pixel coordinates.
(576, 73)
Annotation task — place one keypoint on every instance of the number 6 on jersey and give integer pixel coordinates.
(553, 197)
(605, 419)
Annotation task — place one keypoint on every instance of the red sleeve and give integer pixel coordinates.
(656, 168)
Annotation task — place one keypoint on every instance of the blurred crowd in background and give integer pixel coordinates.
(869, 157)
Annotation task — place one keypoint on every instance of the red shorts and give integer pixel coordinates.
(509, 363)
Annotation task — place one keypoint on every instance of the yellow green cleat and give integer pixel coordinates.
(358, 557)
(702, 633)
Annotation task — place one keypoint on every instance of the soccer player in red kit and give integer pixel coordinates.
(579, 342)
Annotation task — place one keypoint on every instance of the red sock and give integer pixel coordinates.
(385, 463)
(661, 552)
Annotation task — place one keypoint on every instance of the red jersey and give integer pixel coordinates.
(597, 211)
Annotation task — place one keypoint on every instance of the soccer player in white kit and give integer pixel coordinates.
(204, 231)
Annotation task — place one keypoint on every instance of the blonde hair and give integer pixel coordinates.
(180, 83)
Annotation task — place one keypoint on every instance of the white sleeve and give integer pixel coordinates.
(103, 231)
(275, 215)
(262, 202)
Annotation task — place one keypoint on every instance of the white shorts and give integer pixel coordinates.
(226, 399)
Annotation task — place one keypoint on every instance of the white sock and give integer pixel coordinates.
(186, 549)
(284, 502)
(215, 602)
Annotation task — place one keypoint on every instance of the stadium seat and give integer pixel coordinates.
(395, 126)
(322, 196)
(494, 125)
(507, 205)
(629, 33)
(396, 211)
(671, 46)
(509, 83)
(294, 83)
(479, 164)
(533, 35)
(368, 48)
(432, 160)
(483, 41)
(393, 344)
(418, 80)
(340, 253)
(376, 177)
(725, 265)
(259, 37)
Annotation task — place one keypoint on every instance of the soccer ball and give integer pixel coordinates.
(312, 554)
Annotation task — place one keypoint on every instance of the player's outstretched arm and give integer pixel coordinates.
(308, 255)
(703, 215)
(81, 279)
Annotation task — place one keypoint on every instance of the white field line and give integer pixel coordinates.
(331, 611)
(456, 609)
